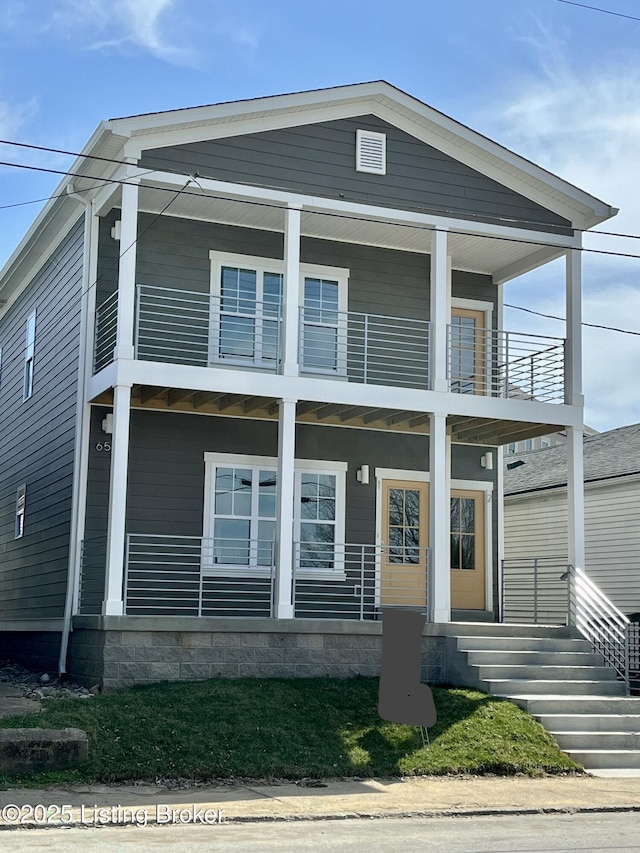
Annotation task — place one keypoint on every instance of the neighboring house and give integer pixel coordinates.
(542, 441)
(255, 378)
(535, 513)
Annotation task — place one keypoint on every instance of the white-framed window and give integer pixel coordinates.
(528, 444)
(511, 447)
(240, 515)
(247, 312)
(29, 352)
(545, 442)
(21, 500)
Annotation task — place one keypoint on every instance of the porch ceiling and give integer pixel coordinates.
(467, 430)
(474, 253)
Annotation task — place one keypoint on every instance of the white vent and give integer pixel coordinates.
(371, 152)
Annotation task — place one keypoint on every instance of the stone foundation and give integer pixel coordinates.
(115, 652)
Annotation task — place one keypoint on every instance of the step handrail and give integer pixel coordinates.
(599, 621)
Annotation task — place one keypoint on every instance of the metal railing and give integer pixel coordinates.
(355, 581)
(599, 620)
(515, 365)
(93, 556)
(547, 590)
(105, 332)
(192, 576)
(534, 590)
(199, 329)
(370, 349)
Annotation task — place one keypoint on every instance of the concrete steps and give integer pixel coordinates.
(554, 675)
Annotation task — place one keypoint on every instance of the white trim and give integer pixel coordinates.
(472, 304)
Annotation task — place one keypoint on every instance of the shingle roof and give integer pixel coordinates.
(615, 453)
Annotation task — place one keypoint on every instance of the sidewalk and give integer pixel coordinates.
(366, 798)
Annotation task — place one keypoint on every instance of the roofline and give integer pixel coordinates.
(375, 88)
(591, 481)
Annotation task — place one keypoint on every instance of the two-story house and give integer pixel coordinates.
(255, 384)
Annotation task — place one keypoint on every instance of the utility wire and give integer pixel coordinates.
(331, 214)
(598, 9)
(563, 319)
(439, 211)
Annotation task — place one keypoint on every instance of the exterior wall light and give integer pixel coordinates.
(362, 475)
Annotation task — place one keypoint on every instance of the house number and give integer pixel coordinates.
(103, 445)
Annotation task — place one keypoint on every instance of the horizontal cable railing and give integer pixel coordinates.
(93, 557)
(200, 329)
(366, 348)
(105, 332)
(192, 576)
(534, 590)
(515, 365)
(355, 581)
(601, 622)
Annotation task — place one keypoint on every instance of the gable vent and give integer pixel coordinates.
(371, 152)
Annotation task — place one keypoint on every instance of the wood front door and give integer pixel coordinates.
(467, 550)
(405, 539)
(405, 532)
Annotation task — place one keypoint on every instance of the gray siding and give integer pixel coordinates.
(37, 436)
(319, 159)
(166, 468)
(174, 253)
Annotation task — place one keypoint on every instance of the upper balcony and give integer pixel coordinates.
(236, 331)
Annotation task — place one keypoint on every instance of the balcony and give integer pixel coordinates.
(199, 329)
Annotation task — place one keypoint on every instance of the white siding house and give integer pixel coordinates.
(535, 510)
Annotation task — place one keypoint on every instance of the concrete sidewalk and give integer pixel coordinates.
(338, 799)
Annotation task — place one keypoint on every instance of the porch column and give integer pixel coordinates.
(291, 293)
(439, 309)
(127, 267)
(285, 509)
(575, 497)
(573, 358)
(438, 577)
(113, 599)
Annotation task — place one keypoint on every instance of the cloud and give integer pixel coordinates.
(585, 127)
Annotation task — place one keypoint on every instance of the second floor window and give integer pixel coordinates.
(30, 345)
(21, 500)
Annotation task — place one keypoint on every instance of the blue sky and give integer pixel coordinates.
(557, 83)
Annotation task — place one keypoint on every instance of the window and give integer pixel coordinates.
(240, 514)
(468, 360)
(463, 533)
(21, 497)
(371, 152)
(545, 442)
(30, 344)
(528, 444)
(511, 447)
(247, 313)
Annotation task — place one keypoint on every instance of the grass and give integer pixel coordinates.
(288, 729)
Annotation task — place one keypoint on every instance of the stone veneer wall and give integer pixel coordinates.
(123, 655)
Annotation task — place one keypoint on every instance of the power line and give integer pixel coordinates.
(563, 319)
(598, 9)
(438, 211)
(332, 214)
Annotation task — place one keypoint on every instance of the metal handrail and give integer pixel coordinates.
(499, 363)
(534, 589)
(600, 621)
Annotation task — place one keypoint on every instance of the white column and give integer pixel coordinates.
(575, 496)
(439, 577)
(127, 269)
(113, 600)
(285, 509)
(291, 293)
(573, 373)
(439, 309)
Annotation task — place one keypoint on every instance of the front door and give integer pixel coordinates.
(405, 532)
(405, 538)
(467, 550)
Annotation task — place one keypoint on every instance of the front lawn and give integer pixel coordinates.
(289, 729)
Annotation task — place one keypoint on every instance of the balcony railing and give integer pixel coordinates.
(506, 364)
(355, 581)
(371, 349)
(202, 330)
(105, 334)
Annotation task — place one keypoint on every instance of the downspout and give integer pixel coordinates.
(81, 431)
